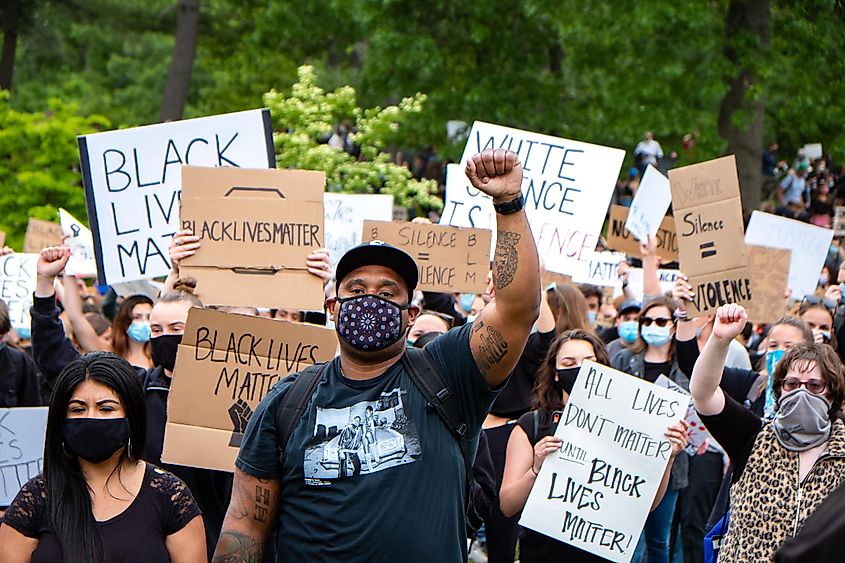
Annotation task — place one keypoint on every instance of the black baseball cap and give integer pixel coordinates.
(379, 253)
(630, 307)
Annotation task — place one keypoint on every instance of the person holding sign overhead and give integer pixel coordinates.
(534, 438)
(784, 468)
(418, 485)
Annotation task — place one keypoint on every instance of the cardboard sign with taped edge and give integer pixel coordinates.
(769, 280)
(620, 239)
(227, 362)
(40, 234)
(256, 228)
(450, 259)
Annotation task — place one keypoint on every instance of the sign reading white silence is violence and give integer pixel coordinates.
(133, 183)
(595, 492)
(567, 187)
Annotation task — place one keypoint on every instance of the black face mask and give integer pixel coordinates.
(163, 349)
(566, 379)
(95, 439)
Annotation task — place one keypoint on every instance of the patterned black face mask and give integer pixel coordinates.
(369, 323)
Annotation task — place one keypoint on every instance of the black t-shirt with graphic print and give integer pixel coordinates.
(371, 473)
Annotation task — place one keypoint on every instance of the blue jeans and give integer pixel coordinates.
(653, 546)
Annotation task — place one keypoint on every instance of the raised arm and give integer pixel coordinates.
(651, 262)
(82, 329)
(501, 330)
(704, 385)
(249, 519)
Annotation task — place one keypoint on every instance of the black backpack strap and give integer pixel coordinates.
(536, 417)
(293, 404)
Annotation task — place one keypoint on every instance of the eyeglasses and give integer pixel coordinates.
(659, 321)
(813, 386)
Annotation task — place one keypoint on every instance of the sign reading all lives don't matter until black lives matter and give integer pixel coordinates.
(596, 490)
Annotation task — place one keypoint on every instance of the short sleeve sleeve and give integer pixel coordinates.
(178, 501)
(258, 455)
(27, 510)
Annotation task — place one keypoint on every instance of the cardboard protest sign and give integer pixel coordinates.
(809, 245)
(17, 284)
(839, 222)
(132, 183)
(619, 238)
(225, 365)
(567, 187)
(450, 259)
(708, 217)
(344, 216)
(81, 244)
(595, 492)
(547, 278)
(649, 206)
(256, 229)
(601, 270)
(21, 448)
(697, 432)
(769, 280)
(40, 234)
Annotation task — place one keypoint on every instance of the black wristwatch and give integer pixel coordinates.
(511, 206)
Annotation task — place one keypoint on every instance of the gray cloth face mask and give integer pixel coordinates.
(801, 421)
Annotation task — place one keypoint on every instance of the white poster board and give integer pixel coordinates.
(650, 203)
(567, 187)
(344, 218)
(133, 186)
(635, 281)
(809, 245)
(17, 284)
(21, 448)
(81, 244)
(595, 492)
(601, 270)
(813, 151)
(697, 432)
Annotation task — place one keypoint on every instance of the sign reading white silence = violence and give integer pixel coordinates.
(567, 187)
(595, 492)
(133, 183)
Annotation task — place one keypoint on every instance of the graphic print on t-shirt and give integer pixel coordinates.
(361, 439)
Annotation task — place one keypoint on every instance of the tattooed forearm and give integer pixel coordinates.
(505, 259)
(263, 506)
(492, 347)
(235, 547)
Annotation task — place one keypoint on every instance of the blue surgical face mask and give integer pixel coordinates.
(139, 331)
(772, 359)
(465, 301)
(591, 316)
(628, 331)
(24, 332)
(655, 335)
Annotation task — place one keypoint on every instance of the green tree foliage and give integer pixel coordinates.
(39, 164)
(306, 117)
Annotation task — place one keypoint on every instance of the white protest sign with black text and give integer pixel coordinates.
(132, 183)
(650, 204)
(344, 218)
(21, 448)
(596, 491)
(601, 270)
(17, 284)
(809, 245)
(666, 278)
(81, 244)
(697, 432)
(567, 187)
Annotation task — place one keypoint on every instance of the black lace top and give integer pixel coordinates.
(164, 506)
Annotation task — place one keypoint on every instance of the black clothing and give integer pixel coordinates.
(164, 506)
(517, 396)
(19, 379)
(820, 539)
(735, 428)
(51, 348)
(502, 531)
(653, 370)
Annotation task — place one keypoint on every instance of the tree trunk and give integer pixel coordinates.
(179, 75)
(11, 22)
(741, 115)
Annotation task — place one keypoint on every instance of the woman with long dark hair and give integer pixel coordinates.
(131, 331)
(96, 501)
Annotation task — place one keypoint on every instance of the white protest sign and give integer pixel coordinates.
(649, 205)
(133, 182)
(468, 206)
(596, 491)
(81, 244)
(809, 245)
(567, 187)
(150, 288)
(813, 150)
(17, 284)
(697, 432)
(601, 270)
(21, 448)
(635, 281)
(344, 218)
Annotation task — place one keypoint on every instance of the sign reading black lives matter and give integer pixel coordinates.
(133, 185)
(595, 492)
(708, 219)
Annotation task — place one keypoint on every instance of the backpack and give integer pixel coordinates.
(480, 485)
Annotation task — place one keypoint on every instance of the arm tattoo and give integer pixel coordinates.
(235, 547)
(505, 259)
(262, 503)
(492, 348)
